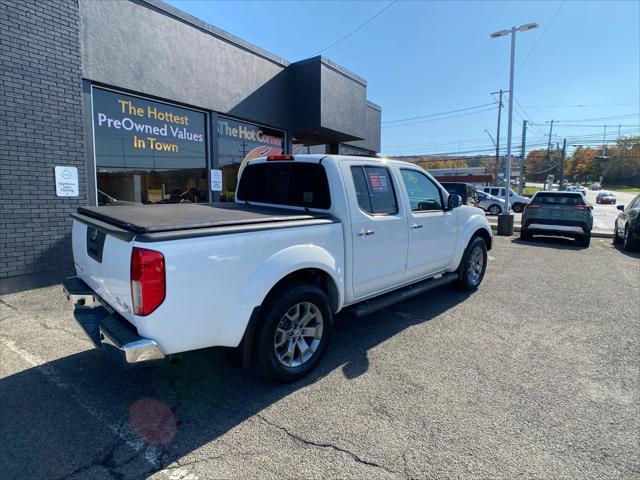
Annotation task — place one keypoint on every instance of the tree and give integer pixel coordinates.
(539, 165)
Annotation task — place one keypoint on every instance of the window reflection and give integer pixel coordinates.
(239, 142)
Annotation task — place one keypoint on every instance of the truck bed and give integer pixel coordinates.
(156, 222)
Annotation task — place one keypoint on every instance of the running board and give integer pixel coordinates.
(369, 306)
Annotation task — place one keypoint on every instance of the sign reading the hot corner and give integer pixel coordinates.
(133, 132)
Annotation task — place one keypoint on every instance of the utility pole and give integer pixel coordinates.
(495, 169)
(522, 159)
(562, 157)
(505, 220)
(604, 143)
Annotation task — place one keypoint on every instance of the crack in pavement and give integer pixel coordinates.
(44, 325)
(4, 302)
(305, 441)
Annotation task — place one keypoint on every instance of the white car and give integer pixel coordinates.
(489, 203)
(308, 237)
(517, 202)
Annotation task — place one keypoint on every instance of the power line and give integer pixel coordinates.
(540, 37)
(596, 119)
(358, 28)
(578, 105)
(439, 119)
(438, 114)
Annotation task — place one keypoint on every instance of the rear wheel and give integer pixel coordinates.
(585, 240)
(294, 332)
(495, 210)
(473, 265)
(524, 235)
(518, 207)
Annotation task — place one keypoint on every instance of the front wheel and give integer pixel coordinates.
(518, 207)
(294, 332)
(616, 235)
(627, 243)
(473, 265)
(495, 210)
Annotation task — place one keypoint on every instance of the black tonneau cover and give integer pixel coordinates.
(142, 219)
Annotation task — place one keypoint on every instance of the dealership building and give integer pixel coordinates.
(122, 101)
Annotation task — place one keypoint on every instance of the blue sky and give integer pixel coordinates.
(422, 58)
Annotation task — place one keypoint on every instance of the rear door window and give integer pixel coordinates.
(374, 190)
(495, 191)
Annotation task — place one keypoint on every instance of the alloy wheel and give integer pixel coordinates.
(298, 334)
(475, 266)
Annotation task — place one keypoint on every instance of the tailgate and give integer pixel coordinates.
(103, 261)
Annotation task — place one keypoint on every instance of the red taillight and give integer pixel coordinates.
(533, 205)
(279, 157)
(147, 280)
(583, 207)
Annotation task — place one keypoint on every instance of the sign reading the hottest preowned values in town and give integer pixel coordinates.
(133, 132)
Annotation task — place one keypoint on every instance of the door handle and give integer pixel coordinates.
(366, 233)
(417, 225)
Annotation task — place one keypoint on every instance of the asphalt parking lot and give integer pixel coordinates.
(536, 375)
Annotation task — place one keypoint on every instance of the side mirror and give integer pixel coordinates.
(454, 201)
(620, 207)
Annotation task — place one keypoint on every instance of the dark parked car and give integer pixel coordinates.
(564, 214)
(627, 226)
(606, 197)
(466, 191)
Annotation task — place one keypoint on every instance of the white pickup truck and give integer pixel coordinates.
(308, 237)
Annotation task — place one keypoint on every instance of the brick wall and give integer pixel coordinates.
(41, 125)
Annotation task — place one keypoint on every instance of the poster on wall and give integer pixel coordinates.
(133, 132)
(66, 181)
(216, 180)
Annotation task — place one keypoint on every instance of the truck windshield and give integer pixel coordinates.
(285, 183)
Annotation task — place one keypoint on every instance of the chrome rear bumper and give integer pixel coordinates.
(108, 330)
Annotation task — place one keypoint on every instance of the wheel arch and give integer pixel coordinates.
(482, 233)
(312, 276)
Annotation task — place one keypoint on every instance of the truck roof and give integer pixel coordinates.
(315, 157)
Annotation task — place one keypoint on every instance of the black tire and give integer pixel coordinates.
(524, 235)
(616, 236)
(518, 207)
(277, 306)
(469, 279)
(495, 210)
(627, 243)
(585, 240)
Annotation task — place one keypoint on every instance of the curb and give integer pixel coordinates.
(594, 234)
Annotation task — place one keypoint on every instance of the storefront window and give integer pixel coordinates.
(300, 148)
(147, 151)
(239, 142)
(359, 152)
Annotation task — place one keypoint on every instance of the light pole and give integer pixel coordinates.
(505, 221)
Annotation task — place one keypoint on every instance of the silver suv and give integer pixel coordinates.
(565, 214)
(516, 201)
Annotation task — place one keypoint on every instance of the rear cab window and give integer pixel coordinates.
(374, 190)
(296, 184)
